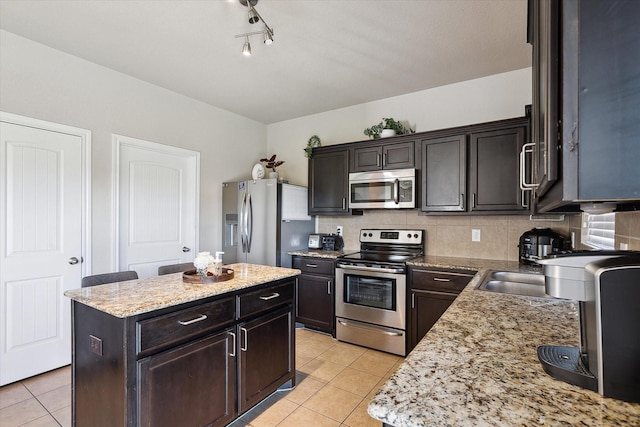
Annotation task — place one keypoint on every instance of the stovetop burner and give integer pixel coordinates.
(387, 247)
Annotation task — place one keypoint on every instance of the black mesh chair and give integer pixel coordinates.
(175, 268)
(100, 279)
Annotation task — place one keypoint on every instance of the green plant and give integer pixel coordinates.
(387, 123)
(271, 162)
(313, 142)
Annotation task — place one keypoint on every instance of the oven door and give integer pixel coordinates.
(372, 295)
(393, 189)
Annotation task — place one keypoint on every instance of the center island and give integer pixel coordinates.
(162, 352)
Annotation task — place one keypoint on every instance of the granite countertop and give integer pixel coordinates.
(133, 297)
(319, 253)
(478, 365)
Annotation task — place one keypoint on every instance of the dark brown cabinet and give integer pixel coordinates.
(585, 75)
(192, 385)
(329, 182)
(431, 292)
(444, 173)
(494, 168)
(266, 359)
(476, 169)
(315, 304)
(385, 156)
(200, 363)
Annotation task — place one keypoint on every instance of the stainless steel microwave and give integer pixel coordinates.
(388, 189)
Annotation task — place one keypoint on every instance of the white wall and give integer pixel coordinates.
(496, 97)
(43, 83)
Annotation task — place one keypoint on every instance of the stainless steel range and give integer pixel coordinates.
(371, 289)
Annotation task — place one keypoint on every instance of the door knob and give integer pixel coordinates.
(73, 260)
(186, 249)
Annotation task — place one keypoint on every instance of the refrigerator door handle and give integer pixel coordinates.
(243, 237)
(249, 222)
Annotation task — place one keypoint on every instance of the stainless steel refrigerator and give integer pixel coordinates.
(263, 220)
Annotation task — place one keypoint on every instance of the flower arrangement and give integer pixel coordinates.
(272, 163)
(201, 262)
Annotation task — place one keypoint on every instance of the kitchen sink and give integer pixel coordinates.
(515, 283)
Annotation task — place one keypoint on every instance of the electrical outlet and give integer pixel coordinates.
(475, 235)
(623, 246)
(95, 345)
(339, 230)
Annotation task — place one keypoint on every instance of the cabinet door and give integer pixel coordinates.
(398, 156)
(192, 385)
(314, 296)
(367, 159)
(494, 168)
(329, 182)
(444, 174)
(426, 309)
(266, 350)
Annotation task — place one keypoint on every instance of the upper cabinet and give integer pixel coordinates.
(399, 155)
(329, 181)
(475, 170)
(586, 98)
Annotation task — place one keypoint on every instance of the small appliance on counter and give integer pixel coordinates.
(316, 240)
(538, 243)
(607, 287)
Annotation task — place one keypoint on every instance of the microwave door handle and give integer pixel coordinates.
(396, 191)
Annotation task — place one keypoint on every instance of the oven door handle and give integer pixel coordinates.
(370, 328)
(371, 269)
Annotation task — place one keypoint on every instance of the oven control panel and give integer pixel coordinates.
(391, 236)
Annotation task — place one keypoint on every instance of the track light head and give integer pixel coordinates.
(246, 49)
(253, 16)
(268, 38)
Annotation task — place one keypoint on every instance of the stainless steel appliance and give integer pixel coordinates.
(371, 289)
(263, 220)
(388, 189)
(538, 243)
(315, 240)
(607, 286)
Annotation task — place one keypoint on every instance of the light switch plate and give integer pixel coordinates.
(475, 235)
(339, 230)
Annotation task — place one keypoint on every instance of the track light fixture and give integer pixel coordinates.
(255, 17)
(246, 49)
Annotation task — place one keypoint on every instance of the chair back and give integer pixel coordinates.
(100, 279)
(175, 268)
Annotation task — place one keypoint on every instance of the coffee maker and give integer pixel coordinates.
(607, 287)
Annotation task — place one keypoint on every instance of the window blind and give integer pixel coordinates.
(601, 229)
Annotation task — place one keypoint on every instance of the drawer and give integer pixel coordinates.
(168, 330)
(265, 299)
(440, 280)
(314, 265)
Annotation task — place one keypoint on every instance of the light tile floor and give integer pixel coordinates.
(335, 382)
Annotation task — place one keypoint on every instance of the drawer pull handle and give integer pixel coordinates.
(272, 296)
(312, 265)
(437, 279)
(192, 321)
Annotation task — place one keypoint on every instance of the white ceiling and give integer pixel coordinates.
(327, 54)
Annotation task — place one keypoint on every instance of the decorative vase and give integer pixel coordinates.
(387, 132)
(274, 175)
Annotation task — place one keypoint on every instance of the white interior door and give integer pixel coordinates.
(42, 202)
(158, 205)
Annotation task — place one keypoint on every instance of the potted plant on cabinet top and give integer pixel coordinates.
(272, 163)
(387, 127)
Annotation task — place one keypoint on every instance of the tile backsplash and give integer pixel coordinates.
(451, 235)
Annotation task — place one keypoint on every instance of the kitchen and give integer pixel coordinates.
(63, 81)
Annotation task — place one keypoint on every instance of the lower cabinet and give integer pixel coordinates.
(199, 364)
(192, 385)
(315, 304)
(265, 360)
(431, 292)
